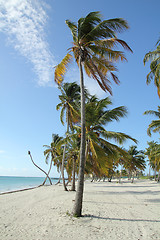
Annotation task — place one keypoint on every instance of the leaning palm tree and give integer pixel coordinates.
(154, 74)
(70, 95)
(155, 124)
(93, 49)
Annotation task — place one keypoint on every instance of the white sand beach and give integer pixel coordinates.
(110, 211)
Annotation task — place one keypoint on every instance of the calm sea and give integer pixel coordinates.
(15, 183)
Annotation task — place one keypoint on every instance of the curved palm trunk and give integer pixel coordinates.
(48, 173)
(39, 168)
(77, 209)
(59, 180)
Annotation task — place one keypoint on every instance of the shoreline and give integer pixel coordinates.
(110, 211)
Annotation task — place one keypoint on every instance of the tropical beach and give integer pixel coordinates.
(93, 165)
(111, 211)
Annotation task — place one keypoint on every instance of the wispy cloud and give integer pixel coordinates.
(24, 21)
(2, 151)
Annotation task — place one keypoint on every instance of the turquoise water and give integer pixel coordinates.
(15, 183)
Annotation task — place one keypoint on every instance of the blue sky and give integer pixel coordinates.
(33, 39)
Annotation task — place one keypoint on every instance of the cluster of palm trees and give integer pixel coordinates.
(153, 150)
(153, 153)
(86, 147)
(102, 156)
(94, 50)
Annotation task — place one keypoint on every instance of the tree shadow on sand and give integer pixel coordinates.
(127, 192)
(121, 219)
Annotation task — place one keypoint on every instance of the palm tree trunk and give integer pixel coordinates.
(132, 178)
(73, 188)
(86, 152)
(48, 173)
(120, 175)
(59, 180)
(158, 176)
(39, 167)
(77, 209)
(62, 168)
(64, 154)
(155, 171)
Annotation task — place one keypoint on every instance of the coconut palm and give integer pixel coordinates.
(53, 151)
(135, 161)
(155, 124)
(73, 156)
(70, 95)
(154, 74)
(153, 153)
(101, 154)
(93, 49)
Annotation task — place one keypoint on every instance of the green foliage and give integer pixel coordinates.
(95, 41)
(155, 124)
(154, 74)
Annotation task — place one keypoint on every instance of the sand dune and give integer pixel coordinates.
(110, 211)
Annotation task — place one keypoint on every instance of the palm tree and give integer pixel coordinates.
(155, 124)
(154, 74)
(100, 153)
(73, 156)
(47, 174)
(93, 49)
(53, 151)
(70, 95)
(153, 153)
(135, 161)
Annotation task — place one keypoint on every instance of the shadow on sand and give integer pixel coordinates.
(121, 219)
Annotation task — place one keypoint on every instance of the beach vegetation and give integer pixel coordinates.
(70, 96)
(53, 152)
(154, 126)
(154, 74)
(135, 162)
(153, 153)
(94, 42)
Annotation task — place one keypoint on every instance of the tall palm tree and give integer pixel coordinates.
(70, 95)
(93, 49)
(155, 124)
(154, 74)
(135, 161)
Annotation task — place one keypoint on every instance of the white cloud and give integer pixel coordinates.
(2, 151)
(23, 21)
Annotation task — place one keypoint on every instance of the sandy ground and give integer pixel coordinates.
(110, 211)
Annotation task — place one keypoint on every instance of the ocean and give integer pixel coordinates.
(8, 183)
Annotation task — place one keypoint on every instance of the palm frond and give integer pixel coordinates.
(61, 68)
(73, 28)
(118, 137)
(152, 112)
(153, 126)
